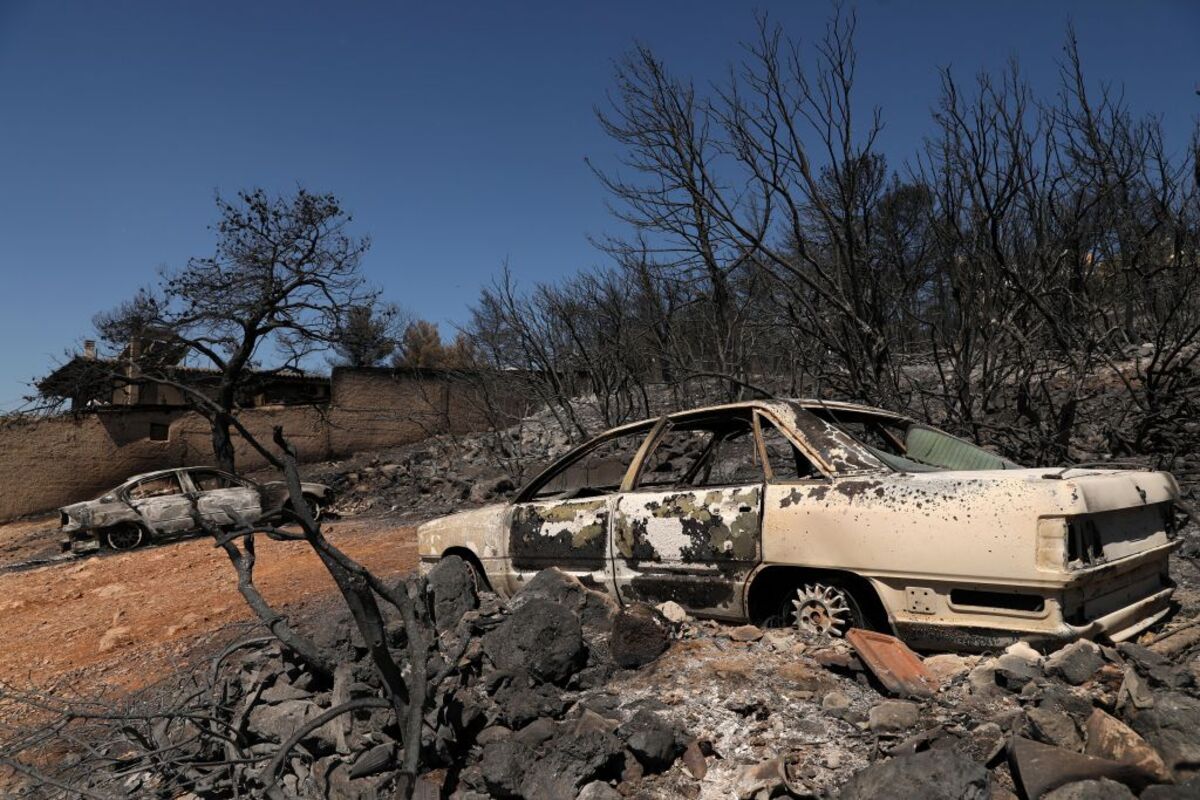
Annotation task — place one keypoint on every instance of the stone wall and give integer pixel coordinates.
(46, 463)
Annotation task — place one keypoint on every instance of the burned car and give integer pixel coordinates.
(167, 503)
(830, 516)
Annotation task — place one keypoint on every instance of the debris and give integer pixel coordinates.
(452, 583)
(1040, 768)
(1055, 727)
(745, 633)
(939, 774)
(673, 612)
(1076, 663)
(1171, 726)
(893, 716)
(694, 760)
(763, 780)
(1108, 737)
(542, 638)
(639, 635)
(1102, 789)
(896, 666)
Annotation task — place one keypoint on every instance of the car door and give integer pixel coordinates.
(162, 504)
(690, 528)
(563, 517)
(223, 499)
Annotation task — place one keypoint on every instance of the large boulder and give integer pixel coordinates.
(595, 609)
(452, 583)
(541, 638)
(640, 634)
(939, 774)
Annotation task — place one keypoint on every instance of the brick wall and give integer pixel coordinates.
(47, 463)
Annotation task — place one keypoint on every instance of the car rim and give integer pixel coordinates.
(314, 508)
(822, 609)
(125, 538)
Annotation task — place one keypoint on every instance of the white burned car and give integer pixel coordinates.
(173, 502)
(832, 515)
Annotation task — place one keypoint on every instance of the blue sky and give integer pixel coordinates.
(455, 132)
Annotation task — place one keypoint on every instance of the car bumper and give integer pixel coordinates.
(79, 542)
(1112, 604)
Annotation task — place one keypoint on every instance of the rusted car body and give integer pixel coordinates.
(157, 505)
(833, 515)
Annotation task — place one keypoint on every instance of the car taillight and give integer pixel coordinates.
(1053, 533)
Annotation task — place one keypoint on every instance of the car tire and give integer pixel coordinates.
(124, 537)
(823, 606)
(314, 509)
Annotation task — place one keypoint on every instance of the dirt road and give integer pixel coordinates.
(125, 619)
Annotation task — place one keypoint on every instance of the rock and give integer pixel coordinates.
(652, 739)
(375, 760)
(1134, 692)
(761, 780)
(542, 638)
(1076, 663)
(986, 742)
(745, 633)
(520, 703)
(279, 692)
(502, 767)
(1172, 727)
(1188, 790)
(1040, 768)
(536, 733)
(945, 667)
(1025, 652)
(1102, 789)
(939, 774)
(569, 762)
(598, 790)
(1054, 727)
(673, 612)
(114, 637)
(281, 720)
(595, 609)
(452, 583)
(982, 680)
(639, 635)
(695, 761)
(484, 490)
(1108, 737)
(835, 701)
(1015, 670)
(893, 716)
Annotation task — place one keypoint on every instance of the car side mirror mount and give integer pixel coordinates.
(108, 498)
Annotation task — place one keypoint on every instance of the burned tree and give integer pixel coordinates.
(275, 291)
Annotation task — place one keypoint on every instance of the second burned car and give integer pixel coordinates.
(830, 516)
(173, 502)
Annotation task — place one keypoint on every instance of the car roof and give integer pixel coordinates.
(158, 473)
(778, 405)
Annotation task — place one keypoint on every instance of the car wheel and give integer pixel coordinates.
(124, 537)
(826, 609)
(314, 509)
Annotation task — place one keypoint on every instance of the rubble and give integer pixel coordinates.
(558, 694)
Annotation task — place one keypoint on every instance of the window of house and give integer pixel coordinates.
(160, 432)
(155, 487)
